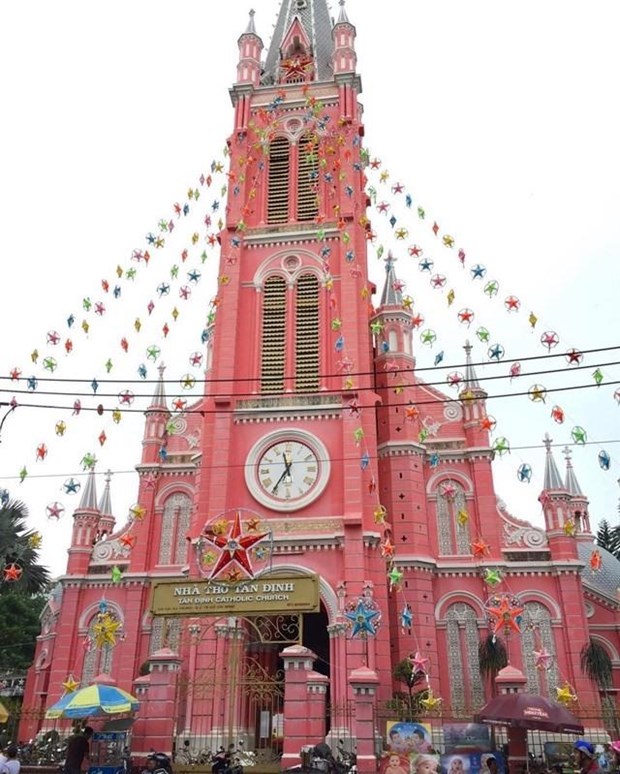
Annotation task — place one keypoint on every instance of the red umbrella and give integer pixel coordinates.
(527, 710)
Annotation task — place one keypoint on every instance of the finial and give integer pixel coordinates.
(108, 476)
(252, 12)
(341, 3)
(547, 441)
(468, 347)
(568, 453)
(161, 368)
(390, 260)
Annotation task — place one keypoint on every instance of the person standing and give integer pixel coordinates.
(78, 749)
(585, 756)
(8, 762)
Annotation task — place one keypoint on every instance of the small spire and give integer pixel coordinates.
(342, 16)
(392, 290)
(159, 396)
(553, 479)
(471, 378)
(251, 30)
(89, 495)
(105, 505)
(572, 485)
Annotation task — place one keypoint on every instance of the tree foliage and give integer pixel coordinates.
(19, 614)
(18, 545)
(492, 656)
(608, 537)
(596, 664)
(407, 705)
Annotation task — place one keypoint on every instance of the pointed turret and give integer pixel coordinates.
(89, 495)
(107, 520)
(579, 502)
(392, 290)
(473, 398)
(392, 321)
(345, 58)
(553, 480)
(303, 30)
(250, 50)
(85, 528)
(157, 416)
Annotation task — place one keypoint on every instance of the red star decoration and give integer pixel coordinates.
(387, 549)
(466, 315)
(41, 451)
(574, 357)
(411, 412)
(512, 304)
(234, 547)
(415, 250)
(128, 540)
(12, 572)
(480, 549)
(383, 207)
(417, 321)
(438, 281)
(550, 339)
(252, 524)
(455, 379)
(488, 423)
(505, 616)
(179, 404)
(15, 374)
(557, 415)
(418, 663)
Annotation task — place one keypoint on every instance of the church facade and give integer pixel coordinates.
(318, 454)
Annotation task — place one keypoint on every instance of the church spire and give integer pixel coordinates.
(392, 290)
(342, 15)
(572, 485)
(105, 504)
(553, 480)
(89, 495)
(471, 377)
(251, 28)
(314, 18)
(159, 396)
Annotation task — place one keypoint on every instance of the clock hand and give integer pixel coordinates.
(285, 474)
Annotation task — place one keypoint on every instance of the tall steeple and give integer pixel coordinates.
(392, 290)
(85, 528)
(552, 480)
(572, 485)
(314, 19)
(107, 520)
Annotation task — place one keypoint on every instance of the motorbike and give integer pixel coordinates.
(228, 761)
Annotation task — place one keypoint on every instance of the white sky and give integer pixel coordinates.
(500, 118)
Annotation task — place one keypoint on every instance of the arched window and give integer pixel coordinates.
(279, 174)
(454, 536)
(462, 638)
(273, 335)
(307, 333)
(97, 660)
(174, 528)
(307, 179)
(537, 633)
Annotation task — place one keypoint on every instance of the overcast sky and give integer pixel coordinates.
(499, 118)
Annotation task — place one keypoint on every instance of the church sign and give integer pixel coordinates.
(258, 596)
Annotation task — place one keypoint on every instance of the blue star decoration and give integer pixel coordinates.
(362, 618)
(406, 617)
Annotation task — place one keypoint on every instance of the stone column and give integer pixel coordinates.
(317, 695)
(160, 706)
(298, 664)
(363, 682)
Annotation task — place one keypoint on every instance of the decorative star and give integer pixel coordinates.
(70, 684)
(501, 446)
(480, 549)
(431, 703)
(426, 264)
(538, 393)
(12, 573)
(129, 540)
(488, 423)
(387, 549)
(506, 616)
(557, 414)
(570, 528)
(492, 577)
(565, 695)
(448, 491)
(380, 514)
(418, 663)
(252, 524)
(406, 617)
(549, 339)
(478, 271)
(524, 473)
(574, 357)
(137, 512)
(466, 316)
(363, 619)
(512, 304)
(35, 540)
(462, 517)
(395, 576)
(235, 548)
(55, 510)
(106, 630)
(579, 435)
(543, 659)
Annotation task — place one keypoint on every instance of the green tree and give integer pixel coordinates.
(596, 664)
(18, 545)
(492, 657)
(19, 614)
(410, 701)
(609, 538)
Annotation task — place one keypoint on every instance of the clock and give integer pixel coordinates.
(287, 470)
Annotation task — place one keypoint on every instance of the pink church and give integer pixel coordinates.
(316, 455)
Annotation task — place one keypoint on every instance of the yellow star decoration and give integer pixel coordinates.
(380, 514)
(468, 395)
(105, 630)
(35, 540)
(220, 527)
(565, 695)
(462, 517)
(70, 684)
(431, 703)
(570, 528)
(138, 512)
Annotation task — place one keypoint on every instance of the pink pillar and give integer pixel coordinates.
(363, 682)
(316, 709)
(298, 664)
(159, 707)
(512, 680)
(139, 730)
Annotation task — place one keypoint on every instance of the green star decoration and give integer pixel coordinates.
(395, 576)
(492, 577)
(579, 435)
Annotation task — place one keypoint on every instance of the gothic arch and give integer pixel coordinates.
(164, 492)
(609, 647)
(289, 264)
(432, 487)
(89, 612)
(327, 594)
(549, 602)
(459, 596)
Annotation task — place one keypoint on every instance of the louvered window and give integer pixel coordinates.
(279, 172)
(307, 334)
(274, 335)
(307, 179)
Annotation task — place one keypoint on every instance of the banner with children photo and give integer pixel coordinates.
(473, 763)
(404, 763)
(408, 738)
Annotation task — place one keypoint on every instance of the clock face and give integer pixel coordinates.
(287, 470)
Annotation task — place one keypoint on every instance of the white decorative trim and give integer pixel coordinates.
(458, 596)
(88, 613)
(544, 599)
(450, 475)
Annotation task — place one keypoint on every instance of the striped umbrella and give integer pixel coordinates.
(98, 699)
